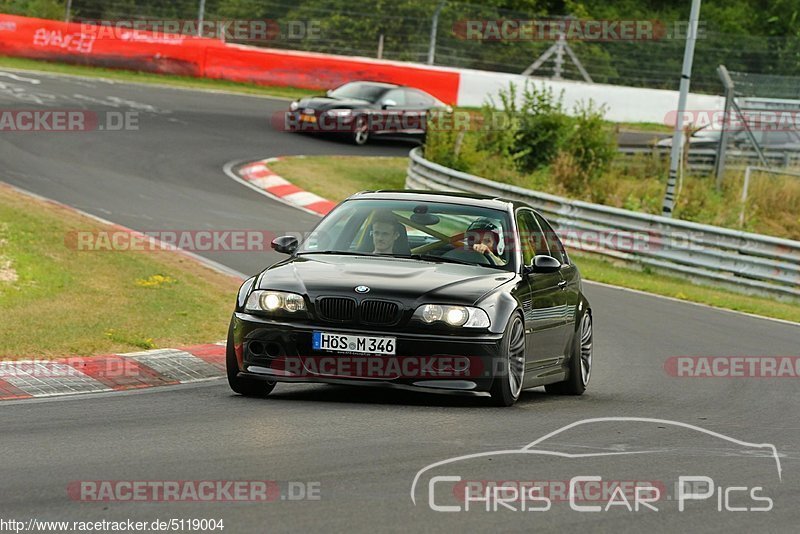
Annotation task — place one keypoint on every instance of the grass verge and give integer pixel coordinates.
(157, 79)
(337, 177)
(607, 271)
(646, 127)
(58, 301)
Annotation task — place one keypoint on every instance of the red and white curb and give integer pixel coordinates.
(258, 175)
(25, 379)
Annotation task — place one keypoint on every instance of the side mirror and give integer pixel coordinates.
(285, 244)
(389, 103)
(543, 264)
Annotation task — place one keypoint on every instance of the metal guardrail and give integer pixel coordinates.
(703, 159)
(744, 261)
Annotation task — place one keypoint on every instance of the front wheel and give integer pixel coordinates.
(507, 384)
(361, 131)
(580, 363)
(243, 386)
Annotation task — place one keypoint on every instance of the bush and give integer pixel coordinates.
(527, 135)
(591, 146)
(452, 143)
(533, 132)
(43, 9)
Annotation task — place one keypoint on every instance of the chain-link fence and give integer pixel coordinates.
(401, 30)
(753, 85)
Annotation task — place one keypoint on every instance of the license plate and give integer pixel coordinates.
(308, 118)
(349, 343)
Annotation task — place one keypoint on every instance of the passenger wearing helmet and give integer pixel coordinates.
(484, 237)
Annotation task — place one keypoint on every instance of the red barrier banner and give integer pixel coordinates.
(322, 71)
(71, 43)
(188, 55)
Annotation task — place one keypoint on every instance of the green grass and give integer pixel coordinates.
(59, 301)
(151, 78)
(601, 269)
(337, 177)
(658, 127)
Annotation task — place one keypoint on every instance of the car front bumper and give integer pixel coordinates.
(282, 351)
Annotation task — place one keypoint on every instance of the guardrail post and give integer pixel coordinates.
(719, 165)
(434, 29)
(201, 14)
(677, 139)
(745, 188)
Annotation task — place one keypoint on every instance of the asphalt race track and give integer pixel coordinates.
(362, 448)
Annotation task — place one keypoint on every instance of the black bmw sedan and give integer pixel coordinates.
(427, 291)
(361, 110)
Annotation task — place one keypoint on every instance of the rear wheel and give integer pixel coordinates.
(580, 364)
(507, 385)
(243, 386)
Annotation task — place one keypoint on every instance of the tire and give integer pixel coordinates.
(507, 385)
(361, 131)
(243, 386)
(580, 362)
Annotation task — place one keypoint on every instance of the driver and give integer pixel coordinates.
(484, 236)
(384, 234)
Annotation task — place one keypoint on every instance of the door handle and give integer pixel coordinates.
(562, 284)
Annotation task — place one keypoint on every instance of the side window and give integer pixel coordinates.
(418, 99)
(339, 235)
(553, 242)
(530, 236)
(398, 95)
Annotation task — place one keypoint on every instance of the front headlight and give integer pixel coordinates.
(294, 105)
(275, 301)
(463, 316)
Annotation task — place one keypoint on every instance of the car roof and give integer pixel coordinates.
(387, 85)
(467, 199)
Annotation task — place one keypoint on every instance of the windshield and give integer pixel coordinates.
(359, 91)
(708, 132)
(427, 231)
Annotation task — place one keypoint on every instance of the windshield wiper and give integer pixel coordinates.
(441, 259)
(422, 257)
(338, 253)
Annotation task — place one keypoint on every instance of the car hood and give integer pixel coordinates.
(324, 102)
(409, 281)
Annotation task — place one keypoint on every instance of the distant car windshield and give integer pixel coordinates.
(427, 231)
(359, 91)
(707, 132)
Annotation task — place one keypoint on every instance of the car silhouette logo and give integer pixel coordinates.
(362, 289)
